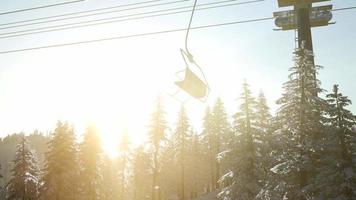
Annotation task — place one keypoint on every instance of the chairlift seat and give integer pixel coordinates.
(193, 85)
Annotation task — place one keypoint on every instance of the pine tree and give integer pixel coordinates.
(220, 132)
(265, 140)
(110, 183)
(262, 114)
(263, 135)
(245, 153)
(141, 171)
(90, 155)
(208, 139)
(339, 166)
(193, 168)
(61, 167)
(169, 168)
(300, 134)
(343, 120)
(181, 138)
(156, 136)
(124, 150)
(24, 184)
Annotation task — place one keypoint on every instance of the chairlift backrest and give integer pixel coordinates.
(193, 85)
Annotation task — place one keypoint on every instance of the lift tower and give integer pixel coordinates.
(302, 19)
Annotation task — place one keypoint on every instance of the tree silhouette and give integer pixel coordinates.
(123, 161)
(157, 130)
(25, 180)
(90, 155)
(61, 165)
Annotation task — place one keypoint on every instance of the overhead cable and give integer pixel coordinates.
(135, 35)
(116, 19)
(41, 7)
(81, 16)
(346, 8)
(80, 12)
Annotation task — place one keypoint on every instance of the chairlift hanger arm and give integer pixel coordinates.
(189, 55)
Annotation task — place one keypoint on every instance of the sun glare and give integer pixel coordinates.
(104, 85)
(113, 97)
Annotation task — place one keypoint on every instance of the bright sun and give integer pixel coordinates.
(100, 90)
(115, 96)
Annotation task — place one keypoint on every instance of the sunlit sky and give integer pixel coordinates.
(115, 83)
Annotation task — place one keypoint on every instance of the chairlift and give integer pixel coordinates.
(192, 83)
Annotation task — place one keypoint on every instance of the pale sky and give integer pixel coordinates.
(115, 83)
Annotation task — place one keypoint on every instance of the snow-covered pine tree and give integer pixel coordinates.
(337, 178)
(157, 135)
(24, 183)
(301, 132)
(262, 114)
(244, 156)
(264, 125)
(208, 140)
(220, 128)
(60, 181)
(124, 151)
(90, 155)
(263, 137)
(181, 140)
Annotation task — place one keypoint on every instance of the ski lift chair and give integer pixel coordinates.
(192, 84)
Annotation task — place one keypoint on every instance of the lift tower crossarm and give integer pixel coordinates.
(286, 3)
